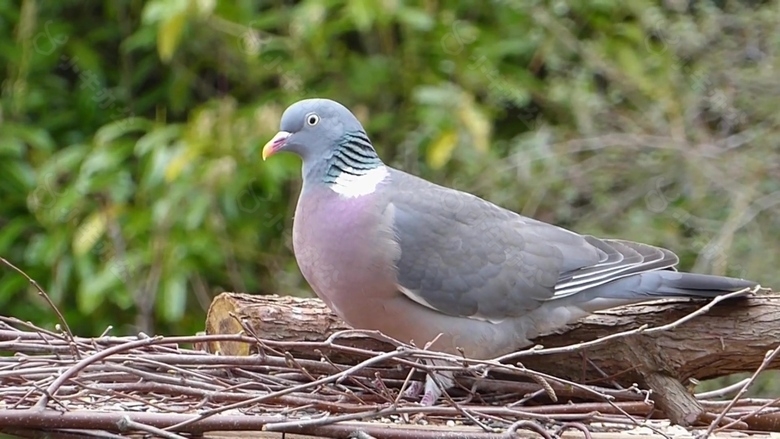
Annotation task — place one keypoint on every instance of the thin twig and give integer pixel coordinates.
(48, 300)
(770, 355)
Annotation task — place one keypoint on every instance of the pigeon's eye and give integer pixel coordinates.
(312, 119)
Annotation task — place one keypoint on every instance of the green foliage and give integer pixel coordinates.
(130, 133)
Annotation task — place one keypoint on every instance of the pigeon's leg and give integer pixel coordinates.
(415, 387)
(414, 390)
(432, 390)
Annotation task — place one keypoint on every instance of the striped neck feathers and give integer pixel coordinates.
(354, 169)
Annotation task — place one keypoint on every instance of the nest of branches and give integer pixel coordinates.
(59, 385)
(69, 386)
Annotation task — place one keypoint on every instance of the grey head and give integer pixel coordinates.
(327, 136)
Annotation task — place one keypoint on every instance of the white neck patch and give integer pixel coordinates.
(352, 186)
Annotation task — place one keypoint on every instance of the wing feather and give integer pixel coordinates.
(463, 256)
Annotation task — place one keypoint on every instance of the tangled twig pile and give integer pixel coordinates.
(58, 382)
(66, 386)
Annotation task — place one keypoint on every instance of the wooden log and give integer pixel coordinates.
(733, 336)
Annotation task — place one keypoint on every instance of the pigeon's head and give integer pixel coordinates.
(312, 128)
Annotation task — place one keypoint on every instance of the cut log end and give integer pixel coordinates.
(223, 318)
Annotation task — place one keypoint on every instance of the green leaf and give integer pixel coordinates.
(476, 123)
(415, 18)
(157, 138)
(156, 172)
(37, 138)
(64, 161)
(100, 161)
(182, 158)
(63, 272)
(440, 151)
(307, 19)
(156, 11)
(362, 13)
(17, 177)
(169, 34)
(95, 289)
(11, 147)
(119, 128)
(11, 231)
(89, 233)
(198, 209)
(10, 287)
(174, 297)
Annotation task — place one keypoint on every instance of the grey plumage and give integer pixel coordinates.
(390, 251)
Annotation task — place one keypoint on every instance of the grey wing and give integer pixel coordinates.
(464, 256)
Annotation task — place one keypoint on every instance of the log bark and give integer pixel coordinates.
(734, 336)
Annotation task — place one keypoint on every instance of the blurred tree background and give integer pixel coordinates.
(131, 185)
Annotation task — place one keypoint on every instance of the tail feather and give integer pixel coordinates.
(654, 285)
(675, 284)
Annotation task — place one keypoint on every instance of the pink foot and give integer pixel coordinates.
(432, 391)
(429, 398)
(414, 390)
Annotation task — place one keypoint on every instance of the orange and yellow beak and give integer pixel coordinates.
(275, 144)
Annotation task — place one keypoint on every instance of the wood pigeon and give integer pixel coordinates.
(389, 251)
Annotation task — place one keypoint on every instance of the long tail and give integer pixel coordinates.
(662, 284)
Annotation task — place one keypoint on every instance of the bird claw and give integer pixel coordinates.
(414, 390)
(433, 391)
(429, 398)
(431, 395)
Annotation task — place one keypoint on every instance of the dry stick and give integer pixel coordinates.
(520, 370)
(383, 392)
(174, 367)
(326, 419)
(163, 378)
(409, 375)
(319, 382)
(432, 377)
(280, 426)
(249, 330)
(709, 417)
(750, 414)
(547, 413)
(604, 375)
(41, 334)
(86, 419)
(747, 402)
(364, 332)
(529, 425)
(76, 368)
(607, 398)
(542, 376)
(770, 355)
(48, 300)
(126, 424)
(62, 434)
(459, 408)
(722, 391)
(382, 431)
(128, 396)
(106, 331)
(573, 425)
(644, 329)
